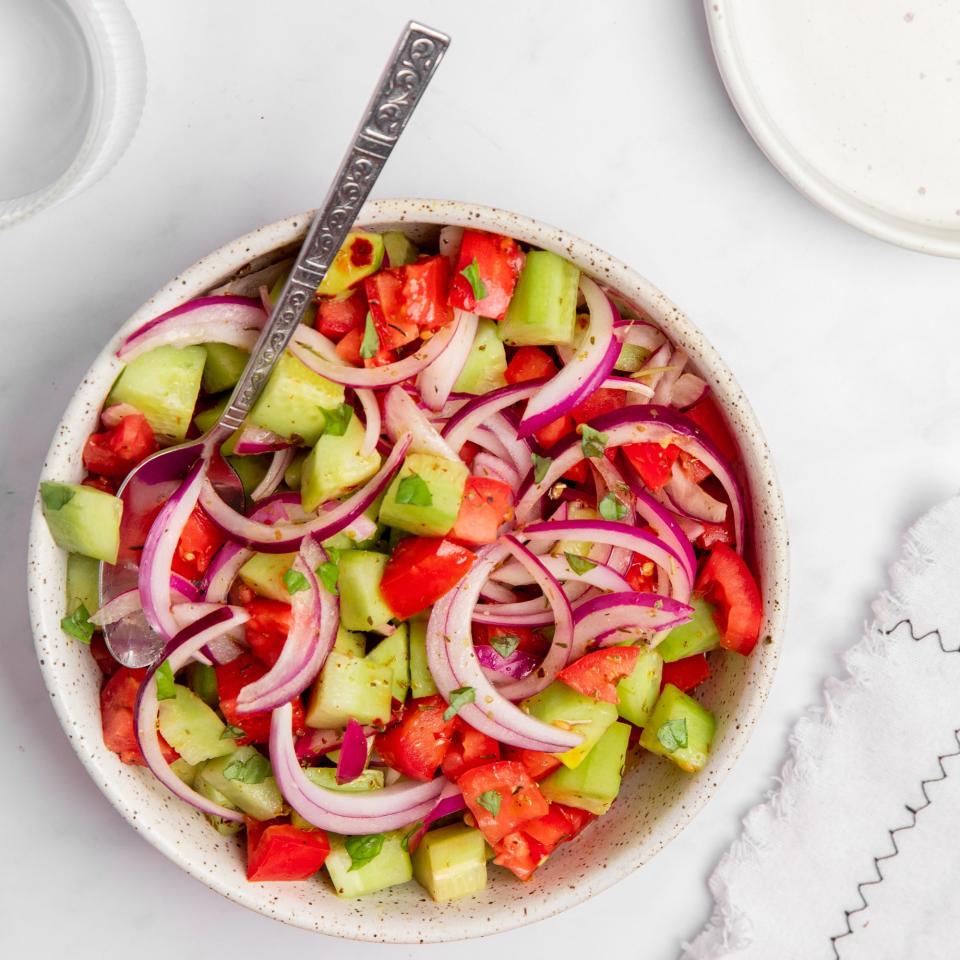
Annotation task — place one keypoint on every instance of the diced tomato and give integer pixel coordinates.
(277, 850)
(421, 571)
(577, 818)
(101, 483)
(707, 416)
(114, 453)
(555, 431)
(726, 581)
(232, 677)
(559, 824)
(714, 533)
(337, 316)
(487, 504)
(529, 363)
(499, 261)
(529, 640)
(417, 743)
(469, 748)
(468, 451)
(426, 284)
(200, 540)
(537, 764)
(520, 798)
(117, 701)
(597, 674)
(696, 471)
(578, 473)
(349, 347)
(599, 402)
(652, 461)
(267, 628)
(687, 673)
(385, 298)
(642, 575)
(519, 853)
(104, 658)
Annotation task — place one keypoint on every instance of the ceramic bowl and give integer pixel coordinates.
(657, 800)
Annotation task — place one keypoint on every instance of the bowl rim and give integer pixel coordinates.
(224, 263)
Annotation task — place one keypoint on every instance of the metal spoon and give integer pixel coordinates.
(411, 67)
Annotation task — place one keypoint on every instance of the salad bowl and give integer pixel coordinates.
(657, 800)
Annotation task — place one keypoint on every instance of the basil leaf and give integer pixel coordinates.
(592, 442)
(230, 732)
(164, 677)
(459, 698)
(505, 644)
(55, 495)
(472, 273)
(490, 800)
(577, 563)
(611, 507)
(370, 345)
(540, 467)
(363, 849)
(337, 419)
(329, 574)
(413, 489)
(255, 769)
(673, 735)
(78, 624)
(410, 834)
(295, 581)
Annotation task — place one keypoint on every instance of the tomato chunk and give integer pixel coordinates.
(469, 748)
(280, 851)
(349, 347)
(598, 402)
(200, 540)
(522, 851)
(537, 764)
(232, 677)
(337, 316)
(707, 416)
(519, 853)
(114, 453)
(652, 461)
(726, 581)
(498, 262)
(267, 628)
(642, 575)
(529, 363)
(421, 571)
(597, 674)
(117, 702)
(687, 673)
(520, 798)
(555, 431)
(714, 533)
(385, 298)
(417, 742)
(423, 300)
(528, 640)
(487, 504)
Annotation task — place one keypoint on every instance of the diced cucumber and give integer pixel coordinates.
(262, 801)
(360, 255)
(293, 475)
(83, 583)
(349, 643)
(698, 635)
(399, 249)
(421, 680)
(631, 358)
(486, 362)
(394, 652)
(293, 401)
(202, 680)
(593, 785)
(192, 728)
(263, 573)
(680, 729)
(564, 707)
(349, 687)
(205, 419)
(391, 866)
(163, 385)
(451, 862)
(326, 777)
(250, 470)
(362, 606)
(444, 480)
(187, 772)
(225, 363)
(82, 519)
(226, 828)
(576, 510)
(544, 305)
(638, 692)
(336, 465)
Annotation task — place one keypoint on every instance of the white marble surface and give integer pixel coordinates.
(608, 119)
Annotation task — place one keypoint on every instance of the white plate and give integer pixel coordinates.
(857, 103)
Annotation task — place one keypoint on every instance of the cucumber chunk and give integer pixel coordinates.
(262, 801)
(83, 583)
(680, 730)
(594, 785)
(399, 249)
(349, 687)
(82, 519)
(394, 652)
(362, 606)
(225, 363)
(563, 707)
(391, 866)
(638, 692)
(205, 419)
(293, 475)
(698, 635)
(263, 573)
(336, 465)
(202, 680)
(163, 385)
(250, 470)
(434, 513)
(360, 256)
(326, 777)
(192, 728)
(226, 828)
(631, 358)
(421, 680)
(544, 305)
(486, 362)
(576, 510)
(350, 643)
(451, 862)
(187, 772)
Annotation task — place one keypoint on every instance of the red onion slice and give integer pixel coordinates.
(274, 475)
(112, 415)
(629, 386)
(401, 415)
(372, 420)
(663, 393)
(435, 383)
(649, 613)
(448, 242)
(494, 591)
(353, 753)
(601, 575)
(664, 524)
(477, 413)
(487, 465)
(639, 333)
(691, 499)
(500, 669)
(448, 803)
(253, 441)
(688, 390)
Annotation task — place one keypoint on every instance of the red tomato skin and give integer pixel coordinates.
(115, 452)
(519, 853)
(118, 699)
(520, 798)
(105, 661)
(687, 673)
(652, 461)
(696, 471)
(597, 674)
(231, 679)
(200, 540)
(499, 261)
(348, 348)
(599, 402)
(714, 533)
(529, 363)
(726, 581)
(417, 742)
(578, 473)
(538, 765)
(421, 571)
(487, 504)
(523, 850)
(642, 575)
(426, 284)
(337, 316)
(267, 628)
(555, 431)
(469, 748)
(531, 641)
(101, 483)
(385, 298)
(707, 416)
(280, 851)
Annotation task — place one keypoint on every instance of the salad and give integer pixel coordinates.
(493, 540)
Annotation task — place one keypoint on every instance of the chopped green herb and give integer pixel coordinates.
(255, 769)
(592, 442)
(413, 489)
(673, 734)
(230, 732)
(164, 677)
(363, 849)
(459, 698)
(55, 495)
(472, 273)
(505, 644)
(370, 345)
(410, 834)
(490, 800)
(295, 581)
(611, 507)
(78, 624)
(577, 563)
(540, 467)
(329, 574)
(338, 419)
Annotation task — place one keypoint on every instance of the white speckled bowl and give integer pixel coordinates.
(657, 800)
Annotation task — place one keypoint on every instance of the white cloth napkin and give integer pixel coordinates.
(856, 855)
